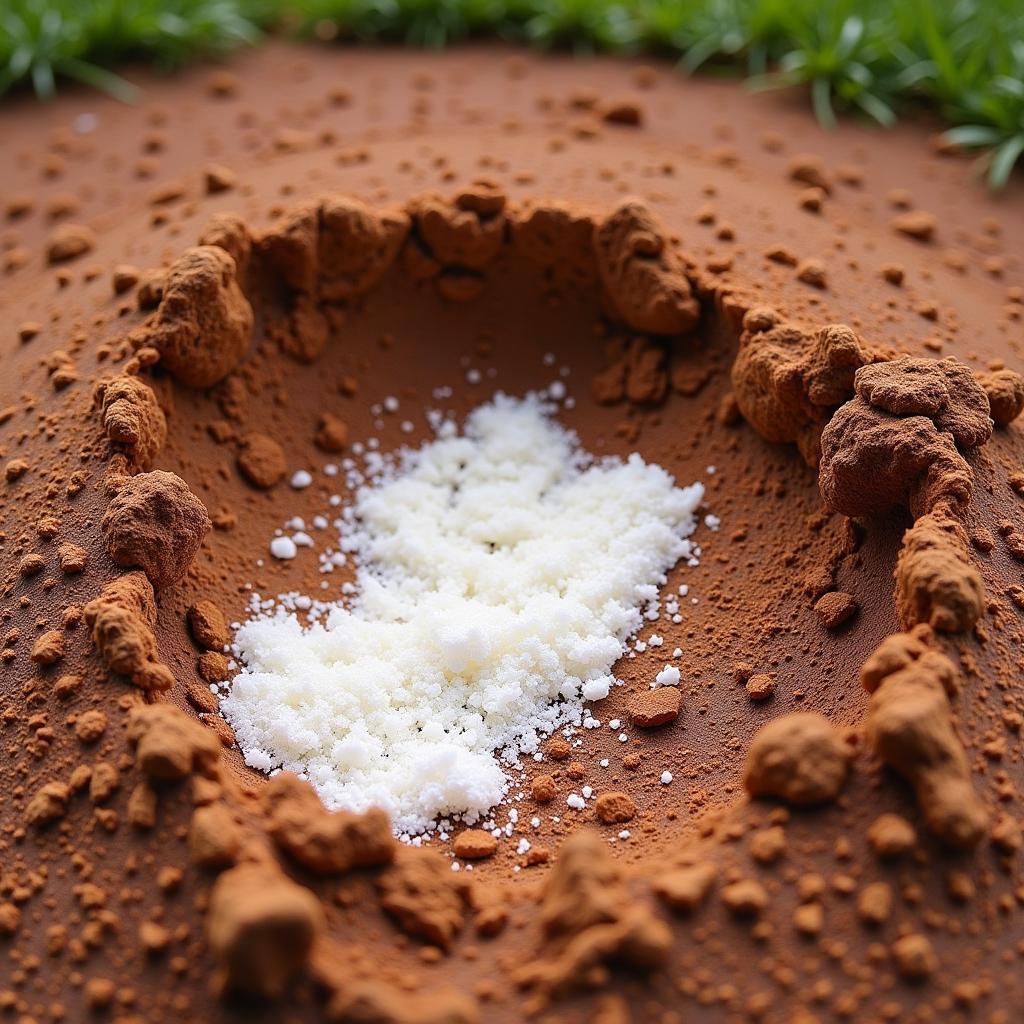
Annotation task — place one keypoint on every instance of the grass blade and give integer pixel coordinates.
(1003, 160)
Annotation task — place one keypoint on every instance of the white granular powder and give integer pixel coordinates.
(499, 575)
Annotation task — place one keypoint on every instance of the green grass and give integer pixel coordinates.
(44, 40)
(875, 58)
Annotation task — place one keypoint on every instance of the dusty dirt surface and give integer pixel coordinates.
(718, 284)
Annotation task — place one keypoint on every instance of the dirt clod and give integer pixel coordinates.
(261, 927)
(209, 626)
(475, 844)
(651, 708)
(614, 808)
(325, 842)
(155, 523)
(261, 460)
(203, 323)
(69, 242)
(835, 609)
(799, 758)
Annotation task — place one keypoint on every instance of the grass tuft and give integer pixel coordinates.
(877, 58)
(44, 40)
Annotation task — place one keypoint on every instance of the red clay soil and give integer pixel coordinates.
(831, 322)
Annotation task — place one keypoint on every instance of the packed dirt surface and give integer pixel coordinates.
(268, 269)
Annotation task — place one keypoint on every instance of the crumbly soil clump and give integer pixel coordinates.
(818, 818)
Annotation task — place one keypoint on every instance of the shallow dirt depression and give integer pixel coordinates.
(443, 322)
(142, 862)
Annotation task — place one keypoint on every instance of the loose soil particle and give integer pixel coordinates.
(261, 460)
(655, 707)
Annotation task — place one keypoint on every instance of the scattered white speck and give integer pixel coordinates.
(283, 547)
(666, 778)
(575, 801)
(300, 479)
(85, 124)
(668, 676)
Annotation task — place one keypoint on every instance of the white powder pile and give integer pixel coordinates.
(499, 574)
